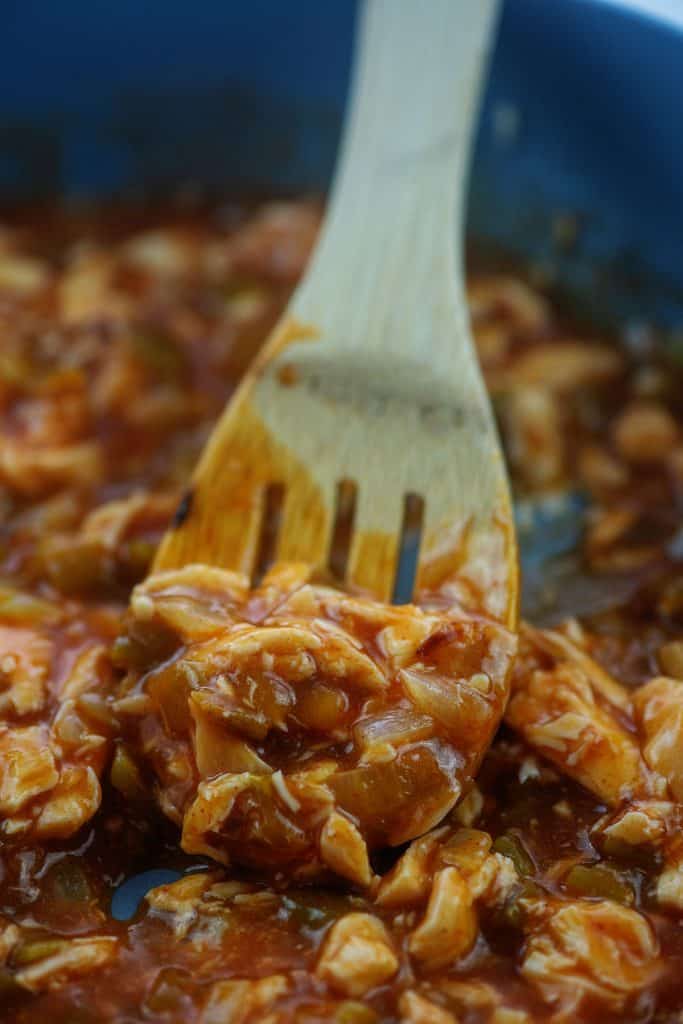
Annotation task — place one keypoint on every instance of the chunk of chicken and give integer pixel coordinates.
(240, 1001)
(409, 880)
(638, 823)
(277, 241)
(559, 366)
(357, 955)
(471, 998)
(659, 709)
(50, 769)
(39, 794)
(534, 433)
(27, 768)
(669, 886)
(569, 710)
(415, 1009)
(22, 276)
(182, 897)
(449, 870)
(75, 958)
(489, 876)
(449, 927)
(25, 657)
(36, 471)
(645, 432)
(9, 937)
(591, 952)
(198, 906)
(87, 289)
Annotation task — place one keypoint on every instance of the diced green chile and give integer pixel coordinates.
(599, 881)
(159, 353)
(510, 845)
(70, 882)
(125, 775)
(37, 949)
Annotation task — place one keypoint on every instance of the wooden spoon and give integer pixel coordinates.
(371, 375)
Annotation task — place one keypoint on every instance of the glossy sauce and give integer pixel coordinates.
(124, 335)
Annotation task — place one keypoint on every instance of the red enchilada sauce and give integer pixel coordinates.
(302, 760)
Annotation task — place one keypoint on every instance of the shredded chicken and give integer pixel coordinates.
(245, 675)
(357, 955)
(571, 712)
(300, 730)
(586, 951)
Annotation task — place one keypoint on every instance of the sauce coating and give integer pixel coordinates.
(550, 888)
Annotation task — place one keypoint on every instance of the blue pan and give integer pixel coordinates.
(580, 133)
(578, 168)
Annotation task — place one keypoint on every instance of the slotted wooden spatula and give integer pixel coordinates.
(371, 375)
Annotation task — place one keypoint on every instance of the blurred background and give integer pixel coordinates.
(579, 162)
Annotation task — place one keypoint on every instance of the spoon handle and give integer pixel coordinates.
(387, 272)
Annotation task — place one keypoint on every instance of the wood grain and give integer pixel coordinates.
(372, 375)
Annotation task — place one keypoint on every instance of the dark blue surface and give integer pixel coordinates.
(130, 894)
(598, 93)
(129, 97)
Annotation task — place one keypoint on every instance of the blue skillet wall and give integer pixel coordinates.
(582, 116)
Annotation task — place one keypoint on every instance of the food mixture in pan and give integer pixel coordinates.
(299, 768)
